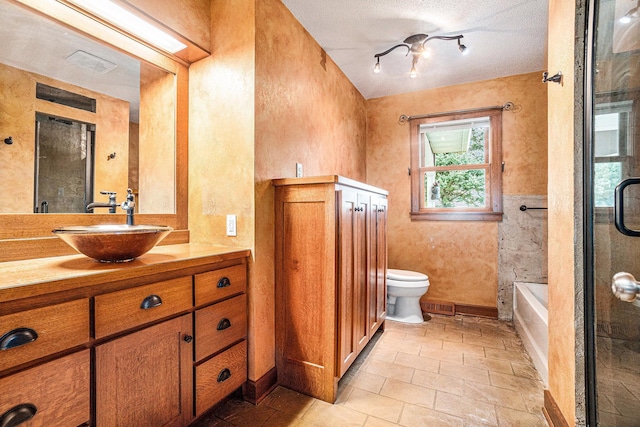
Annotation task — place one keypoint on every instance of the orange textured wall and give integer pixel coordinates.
(461, 258)
(306, 112)
(561, 198)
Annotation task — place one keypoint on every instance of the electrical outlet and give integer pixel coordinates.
(231, 225)
(298, 170)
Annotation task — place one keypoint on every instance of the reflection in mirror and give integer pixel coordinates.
(126, 106)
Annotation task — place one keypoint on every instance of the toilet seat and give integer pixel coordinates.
(406, 276)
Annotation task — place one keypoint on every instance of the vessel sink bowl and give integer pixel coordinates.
(113, 242)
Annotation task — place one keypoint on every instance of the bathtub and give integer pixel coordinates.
(530, 301)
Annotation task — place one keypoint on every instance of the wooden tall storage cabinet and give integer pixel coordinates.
(331, 261)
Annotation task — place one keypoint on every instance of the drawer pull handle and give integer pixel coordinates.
(150, 302)
(18, 415)
(224, 375)
(224, 282)
(224, 324)
(187, 338)
(16, 338)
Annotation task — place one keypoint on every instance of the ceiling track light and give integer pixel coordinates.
(415, 45)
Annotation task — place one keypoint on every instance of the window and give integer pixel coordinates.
(456, 166)
(613, 148)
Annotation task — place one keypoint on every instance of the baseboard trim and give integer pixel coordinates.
(255, 391)
(477, 310)
(552, 412)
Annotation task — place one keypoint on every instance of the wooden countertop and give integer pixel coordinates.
(78, 275)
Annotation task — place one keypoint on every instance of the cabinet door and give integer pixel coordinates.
(145, 378)
(347, 344)
(360, 282)
(378, 264)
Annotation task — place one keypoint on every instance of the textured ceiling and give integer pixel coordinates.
(505, 37)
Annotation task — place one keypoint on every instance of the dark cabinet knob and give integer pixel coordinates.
(17, 337)
(150, 302)
(224, 282)
(18, 415)
(224, 375)
(188, 338)
(224, 324)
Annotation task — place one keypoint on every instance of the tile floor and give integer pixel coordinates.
(450, 371)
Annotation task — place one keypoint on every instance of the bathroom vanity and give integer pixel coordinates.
(155, 341)
(331, 262)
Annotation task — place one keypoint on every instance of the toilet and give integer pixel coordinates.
(404, 289)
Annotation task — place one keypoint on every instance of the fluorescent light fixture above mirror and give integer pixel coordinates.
(122, 18)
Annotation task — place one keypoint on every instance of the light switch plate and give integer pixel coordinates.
(231, 225)
(298, 170)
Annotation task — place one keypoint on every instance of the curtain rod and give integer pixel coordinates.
(509, 106)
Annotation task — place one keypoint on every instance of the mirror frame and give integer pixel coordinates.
(28, 236)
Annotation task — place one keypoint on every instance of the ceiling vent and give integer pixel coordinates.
(91, 62)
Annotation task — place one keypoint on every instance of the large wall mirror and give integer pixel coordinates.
(79, 117)
(55, 82)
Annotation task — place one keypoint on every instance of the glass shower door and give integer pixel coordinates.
(614, 213)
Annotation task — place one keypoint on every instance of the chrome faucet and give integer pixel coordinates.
(129, 206)
(111, 204)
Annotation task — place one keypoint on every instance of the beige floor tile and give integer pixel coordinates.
(465, 328)
(513, 418)
(377, 422)
(493, 342)
(409, 393)
(429, 342)
(326, 414)
(240, 413)
(464, 372)
(514, 383)
(384, 354)
(282, 419)
(438, 382)
(517, 356)
(461, 347)
(445, 335)
(284, 400)
(413, 416)
(390, 370)
(525, 370)
(367, 381)
(410, 346)
(382, 407)
(343, 393)
(468, 408)
(534, 400)
(495, 365)
(495, 395)
(441, 354)
(417, 362)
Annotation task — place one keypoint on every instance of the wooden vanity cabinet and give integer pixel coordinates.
(136, 350)
(330, 278)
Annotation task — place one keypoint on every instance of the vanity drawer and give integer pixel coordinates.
(220, 325)
(31, 334)
(118, 311)
(218, 377)
(216, 285)
(57, 391)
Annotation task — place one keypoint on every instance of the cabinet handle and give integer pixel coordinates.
(18, 415)
(187, 338)
(224, 324)
(224, 375)
(150, 302)
(224, 282)
(16, 338)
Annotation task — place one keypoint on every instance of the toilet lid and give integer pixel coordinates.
(406, 275)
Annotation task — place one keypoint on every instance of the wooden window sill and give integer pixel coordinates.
(456, 216)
